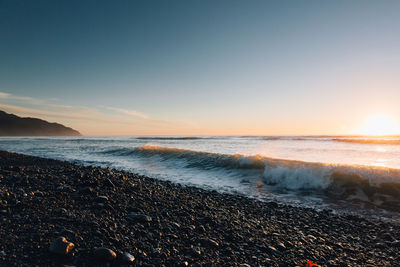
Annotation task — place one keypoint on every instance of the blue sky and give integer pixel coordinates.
(201, 67)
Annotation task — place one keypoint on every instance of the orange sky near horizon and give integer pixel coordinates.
(117, 122)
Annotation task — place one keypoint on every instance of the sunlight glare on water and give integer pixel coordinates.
(285, 166)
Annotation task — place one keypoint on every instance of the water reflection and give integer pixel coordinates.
(379, 163)
(381, 149)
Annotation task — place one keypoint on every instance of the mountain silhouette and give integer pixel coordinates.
(12, 125)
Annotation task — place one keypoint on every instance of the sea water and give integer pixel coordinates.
(356, 174)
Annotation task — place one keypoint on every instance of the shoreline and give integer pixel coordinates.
(161, 223)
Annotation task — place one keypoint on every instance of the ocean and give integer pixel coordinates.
(344, 174)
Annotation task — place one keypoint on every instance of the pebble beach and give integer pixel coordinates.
(55, 213)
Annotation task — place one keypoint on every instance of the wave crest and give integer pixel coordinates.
(377, 185)
(374, 141)
(171, 138)
(200, 159)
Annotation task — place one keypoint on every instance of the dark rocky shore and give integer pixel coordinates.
(147, 222)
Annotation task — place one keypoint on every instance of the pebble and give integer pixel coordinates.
(189, 225)
(63, 211)
(86, 190)
(61, 246)
(104, 254)
(273, 250)
(133, 217)
(126, 257)
(280, 246)
(213, 242)
(101, 199)
(396, 244)
(311, 237)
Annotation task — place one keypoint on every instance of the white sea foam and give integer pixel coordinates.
(284, 173)
(212, 162)
(298, 178)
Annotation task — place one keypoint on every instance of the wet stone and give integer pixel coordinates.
(273, 250)
(63, 211)
(126, 257)
(396, 244)
(86, 190)
(104, 254)
(280, 246)
(101, 199)
(387, 237)
(189, 226)
(208, 242)
(61, 246)
(133, 217)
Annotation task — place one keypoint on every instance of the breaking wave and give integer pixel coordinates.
(375, 141)
(376, 185)
(358, 139)
(171, 138)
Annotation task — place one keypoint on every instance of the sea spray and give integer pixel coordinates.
(344, 174)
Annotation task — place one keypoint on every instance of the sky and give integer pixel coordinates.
(201, 67)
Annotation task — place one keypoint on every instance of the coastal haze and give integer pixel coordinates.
(356, 174)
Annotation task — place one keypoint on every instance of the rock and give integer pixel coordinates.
(396, 244)
(99, 205)
(208, 242)
(280, 246)
(331, 262)
(86, 190)
(104, 254)
(61, 246)
(63, 211)
(176, 224)
(273, 250)
(311, 237)
(213, 242)
(387, 237)
(380, 245)
(196, 251)
(109, 183)
(38, 194)
(101, 199)
(67, 233)
(133, 217)
(126, 257)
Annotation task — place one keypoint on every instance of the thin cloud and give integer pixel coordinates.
(77, 115)
(4, 95)
(91, 120)
(34, 101)
(129, 112)
(24, 99)
(149, 121)
(39, 102)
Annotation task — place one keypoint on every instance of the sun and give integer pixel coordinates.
(380, 124)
